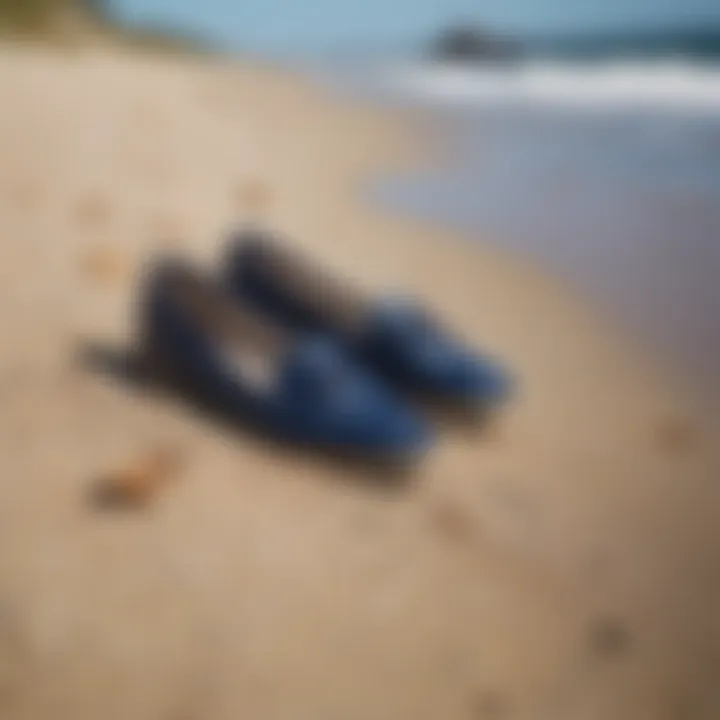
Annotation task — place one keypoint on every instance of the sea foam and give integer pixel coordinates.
(668, 83)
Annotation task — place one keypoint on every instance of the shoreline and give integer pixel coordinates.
(265, 584)
(616, 237)
(476, 169)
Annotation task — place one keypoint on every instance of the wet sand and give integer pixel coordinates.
(625, 204)
(558, 563)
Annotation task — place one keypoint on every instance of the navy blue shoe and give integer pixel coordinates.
(298, 387)
(394, 338)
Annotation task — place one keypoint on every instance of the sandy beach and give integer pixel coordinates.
(560, 563)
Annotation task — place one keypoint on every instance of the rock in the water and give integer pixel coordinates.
(469, 44)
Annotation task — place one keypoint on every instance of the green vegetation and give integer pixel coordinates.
(80, 19)
(160, 40)
(43, 15)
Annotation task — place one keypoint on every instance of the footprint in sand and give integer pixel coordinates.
(147, 115)
(451, 522)
(93, 211)
(24, 196)
(674, 437)
(489, 705)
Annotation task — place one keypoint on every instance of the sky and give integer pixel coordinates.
(277, 26)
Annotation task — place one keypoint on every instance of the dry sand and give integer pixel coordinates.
(562, 563)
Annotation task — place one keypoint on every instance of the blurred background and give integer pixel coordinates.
(583, 135)
(561, 562)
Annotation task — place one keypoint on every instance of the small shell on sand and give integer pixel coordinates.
(138, 483)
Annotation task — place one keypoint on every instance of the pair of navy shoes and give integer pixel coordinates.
(277, 341)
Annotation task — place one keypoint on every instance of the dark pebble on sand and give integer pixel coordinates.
(609, 637)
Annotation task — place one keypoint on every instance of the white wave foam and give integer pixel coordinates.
(669, 84)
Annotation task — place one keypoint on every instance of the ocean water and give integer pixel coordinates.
(606, 174)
